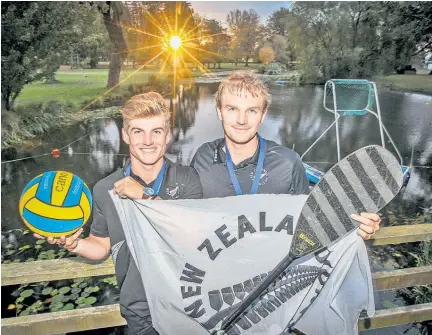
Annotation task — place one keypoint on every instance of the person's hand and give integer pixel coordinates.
(369, 224)
(70, 242)
(128, 188)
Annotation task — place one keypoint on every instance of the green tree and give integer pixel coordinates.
(353, 39)
(246, 31)
(36, 39)
(94, 41)
(214, 42)
(283, 35)
(277, 22)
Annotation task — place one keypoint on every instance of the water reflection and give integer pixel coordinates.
(183, 108)
(295, 119)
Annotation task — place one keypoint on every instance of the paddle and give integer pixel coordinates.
(364, 181)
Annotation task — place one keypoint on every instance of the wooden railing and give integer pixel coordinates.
(109, 315)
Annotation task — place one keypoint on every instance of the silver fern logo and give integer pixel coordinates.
(291, 282)
(173, 192)
(263, 178)
(115, 250)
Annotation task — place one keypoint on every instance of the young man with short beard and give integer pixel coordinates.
(243, 162)
(147, 175)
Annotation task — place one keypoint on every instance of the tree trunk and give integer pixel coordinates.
(93, 63)
(111, 19)
(8, 100)
(51, 80)
(247, 62)
(12, 100)
(115, 66)
(4, 104)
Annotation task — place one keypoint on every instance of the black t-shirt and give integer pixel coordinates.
(180, 182)
(283, 171)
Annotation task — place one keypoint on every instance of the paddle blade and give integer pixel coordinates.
(365, 181)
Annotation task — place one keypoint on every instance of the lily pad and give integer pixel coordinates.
(57, 298)
(82, 285)
(25, 312)
(47, 290)
(80, 301)
(67, 307)
(92, 289)
(37, 306)
(74, 296)
(26, 293)
(64, 290)
(110, 280)
(90, 300)
(76, 290)
(56, 307)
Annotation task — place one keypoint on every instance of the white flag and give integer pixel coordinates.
(199, 258)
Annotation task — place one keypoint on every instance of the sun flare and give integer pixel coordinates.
(173, 49)
(175, 42)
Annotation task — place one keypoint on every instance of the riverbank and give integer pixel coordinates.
(78, 95)
(419, 83)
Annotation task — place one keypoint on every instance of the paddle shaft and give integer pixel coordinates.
(256, 293)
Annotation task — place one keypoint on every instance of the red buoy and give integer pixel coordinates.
(55, 153)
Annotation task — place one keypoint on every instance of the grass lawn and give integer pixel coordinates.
(77, 86)
(421, 83)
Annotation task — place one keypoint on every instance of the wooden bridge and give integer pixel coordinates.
(109, 315)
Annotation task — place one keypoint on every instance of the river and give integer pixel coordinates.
(94, 149)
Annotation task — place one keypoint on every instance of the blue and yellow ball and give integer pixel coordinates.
(55, 203)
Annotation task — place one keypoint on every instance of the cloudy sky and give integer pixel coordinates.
(219, 9)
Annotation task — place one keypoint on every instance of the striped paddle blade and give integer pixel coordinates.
(364, 181)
